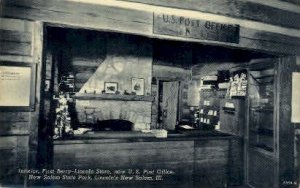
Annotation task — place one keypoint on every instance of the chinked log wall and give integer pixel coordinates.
(18, 43)
(272, 28)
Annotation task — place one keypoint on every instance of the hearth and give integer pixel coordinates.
(113, 125)
(113, 112)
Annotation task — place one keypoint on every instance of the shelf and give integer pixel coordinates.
(260, 64)
(262, 131)
(223, 89)
(262, 150)
(263, 147)
(207, 90)
(263, 77)
(211, 115)
(238, 96)
(229, 110)
(261, 80)
(262, 109)
(86, 96)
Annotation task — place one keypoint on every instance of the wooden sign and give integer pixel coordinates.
(166, 24)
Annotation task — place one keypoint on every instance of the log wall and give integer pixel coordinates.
(18, 131)
(263, 30)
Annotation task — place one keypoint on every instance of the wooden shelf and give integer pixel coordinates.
(262, 131)
(87, 96)
(262, 109)
(260, 64)
(263, 151)
(229, 110)
(265, 76)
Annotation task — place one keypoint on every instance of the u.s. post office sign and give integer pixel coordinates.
(180, 26)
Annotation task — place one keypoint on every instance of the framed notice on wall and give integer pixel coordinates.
(17, 91)
(296, 97)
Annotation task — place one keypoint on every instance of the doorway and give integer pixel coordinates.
(168, 104)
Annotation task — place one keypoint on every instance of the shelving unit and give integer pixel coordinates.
(209, 108)
(261, 104)
(269, 146)
(262, 109)
(91, 96)
(261, 151)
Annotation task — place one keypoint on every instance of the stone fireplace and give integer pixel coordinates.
(95, 108)
(127, 57)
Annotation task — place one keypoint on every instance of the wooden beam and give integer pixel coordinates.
(278, 14)
(15, 48)
(14, 128)
(15, 25)
(15, 36)
(15, 40)
(194, 15)
(79, 14)
(16, 58)
(87, 96)
(137, 18)
(14, 117)
(285, 145)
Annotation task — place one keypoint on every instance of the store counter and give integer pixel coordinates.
(190, 157)
(136, 136)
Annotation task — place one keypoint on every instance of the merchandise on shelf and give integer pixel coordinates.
(238, 84)
(62, 124)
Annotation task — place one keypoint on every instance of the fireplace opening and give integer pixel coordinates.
(113, 125)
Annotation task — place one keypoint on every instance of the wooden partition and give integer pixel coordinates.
(203, 162)
(272, 158)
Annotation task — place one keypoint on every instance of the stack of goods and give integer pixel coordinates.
(67, 84)
(223, 79)
(194, 115)
(63, 119)
(209, 112)
(209, 82)
(238, 84)
(62, 125)
(219, 80)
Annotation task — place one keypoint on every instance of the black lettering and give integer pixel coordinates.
(223, 27)
(187, 22)
(166, 18)
(181, 19)
(198, 23)
(173, 19)
(193, 23)
(212, 25)
(187, 32)
(207, 25)
(218, 26)
(230, 28)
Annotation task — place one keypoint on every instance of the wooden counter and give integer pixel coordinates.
(196, 158)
